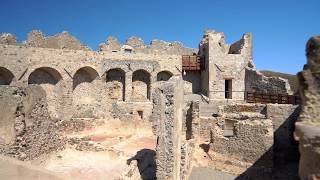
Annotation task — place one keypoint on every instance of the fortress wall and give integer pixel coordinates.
(84, 83)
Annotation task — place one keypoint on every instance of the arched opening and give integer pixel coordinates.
(140, 85)
(44, 75)
(84, 75)
(6, 76)
(115, 79)
(164, 76)
(86, 91)
(49, 80)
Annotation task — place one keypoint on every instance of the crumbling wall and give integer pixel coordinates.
(111, 45)
(59, 41)
(308, 126)
(34, 132)
(222, 65)
(190, 136)
(167, 120)
(240, 132)
(252, 139)
(9, 105)
(78, 96)
(8, 39)
(136, 45)
(257, 82)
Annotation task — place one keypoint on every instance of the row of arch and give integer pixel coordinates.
(48, 75)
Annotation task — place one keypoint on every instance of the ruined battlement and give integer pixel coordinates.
(66, 55)
(65, 40)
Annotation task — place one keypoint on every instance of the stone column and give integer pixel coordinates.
(167, 120)
(128, 86)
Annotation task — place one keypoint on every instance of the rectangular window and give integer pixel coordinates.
(228, 89)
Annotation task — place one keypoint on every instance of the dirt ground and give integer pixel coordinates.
(100, 152)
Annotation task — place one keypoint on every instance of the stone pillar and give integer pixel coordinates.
(66, 99)
(153, 79)
(167, 118)
(308, 127)
(128, 86)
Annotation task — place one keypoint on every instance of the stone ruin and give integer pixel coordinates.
(308, 125)
(157, 111)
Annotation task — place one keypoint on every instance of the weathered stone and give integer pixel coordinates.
(111, 45)
(167, 123)
(59, 41)
(119, 82)
(8, 39)
(308, 127)
(135, 42)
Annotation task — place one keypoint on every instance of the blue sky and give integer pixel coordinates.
(280, 27)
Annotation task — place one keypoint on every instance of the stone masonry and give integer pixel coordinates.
(308, 126)
(167, 122)
(133, 79)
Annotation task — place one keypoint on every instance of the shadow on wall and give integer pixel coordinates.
(285, 152)
(193, 77)
(146, 163)
(279, 162)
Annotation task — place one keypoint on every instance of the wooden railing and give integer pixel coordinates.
(192, 63)
(253, 97)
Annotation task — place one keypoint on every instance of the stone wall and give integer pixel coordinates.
(243, 132)
(84, 83)
(136, 45)
(283, 117)
(167, 118)
(190, 136)
(192, 82)
(59, 41)
(8, 39)
(9, 105)
(308, 127)
(225, 62)
(257, 82)
(29, 131)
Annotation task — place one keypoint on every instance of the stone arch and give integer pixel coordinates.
(140, 85)
(49, 80)
(44, 75)
(115, 79)
(84, 74)
(6, 76)
(164, 75)
(86, 90)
